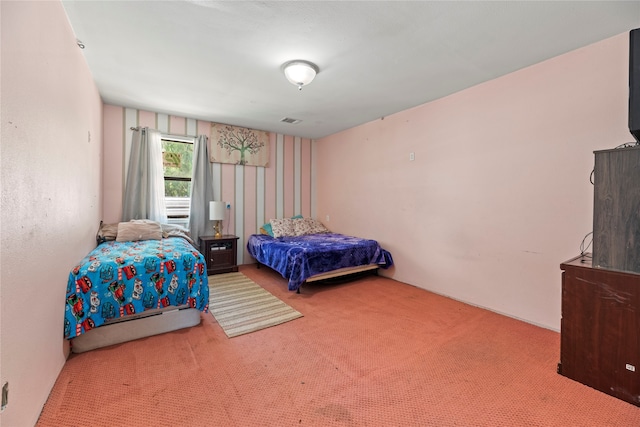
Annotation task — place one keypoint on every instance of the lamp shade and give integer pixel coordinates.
(216, 211)
(300, 72)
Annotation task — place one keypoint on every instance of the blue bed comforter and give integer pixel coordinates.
(117, 279)
(299, 257)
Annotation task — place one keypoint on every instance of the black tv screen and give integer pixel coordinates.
(634, 83)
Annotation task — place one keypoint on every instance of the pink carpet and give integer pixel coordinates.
(373, 352)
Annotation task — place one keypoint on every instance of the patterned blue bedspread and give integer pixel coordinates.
(123, 278)
(300, 257)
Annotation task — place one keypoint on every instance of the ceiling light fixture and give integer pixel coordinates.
(300, 72)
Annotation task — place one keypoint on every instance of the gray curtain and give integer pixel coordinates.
(201, 191)
(144, 190)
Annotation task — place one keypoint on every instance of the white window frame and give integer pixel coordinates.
(178, 208)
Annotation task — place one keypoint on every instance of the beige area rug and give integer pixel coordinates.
(240, 306)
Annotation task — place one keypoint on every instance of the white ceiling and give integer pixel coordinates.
(221, 61)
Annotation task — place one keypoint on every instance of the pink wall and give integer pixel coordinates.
(498, 194)
(255, 193)
(51, 194)
(497, 197)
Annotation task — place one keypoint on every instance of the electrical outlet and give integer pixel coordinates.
(228, 205)
(412, 156)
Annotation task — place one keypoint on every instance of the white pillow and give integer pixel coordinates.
(139, 229)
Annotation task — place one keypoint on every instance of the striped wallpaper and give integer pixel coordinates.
(284, 188)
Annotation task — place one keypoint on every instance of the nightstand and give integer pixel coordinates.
(220, 253)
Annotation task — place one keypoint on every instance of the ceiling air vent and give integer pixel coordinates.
(290, 121)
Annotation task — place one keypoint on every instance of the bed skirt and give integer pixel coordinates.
(135, 328)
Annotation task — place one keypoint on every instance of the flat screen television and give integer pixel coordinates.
(634, 83)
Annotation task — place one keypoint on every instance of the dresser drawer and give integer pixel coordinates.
(220, 246)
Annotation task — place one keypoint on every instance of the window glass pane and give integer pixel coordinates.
(177, 159)
(174, 188)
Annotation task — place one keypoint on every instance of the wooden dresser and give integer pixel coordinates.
(600, 328)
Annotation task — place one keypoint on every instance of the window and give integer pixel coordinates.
(177, 162)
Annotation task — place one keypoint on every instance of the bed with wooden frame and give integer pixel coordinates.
(302, 250)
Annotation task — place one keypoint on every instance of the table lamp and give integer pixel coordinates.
(216, 213)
